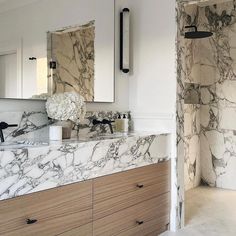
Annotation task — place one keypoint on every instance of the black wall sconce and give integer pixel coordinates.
(124, 40)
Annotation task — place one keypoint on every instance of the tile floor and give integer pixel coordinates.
(209, 212)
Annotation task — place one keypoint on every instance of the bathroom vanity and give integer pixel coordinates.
(107, 185)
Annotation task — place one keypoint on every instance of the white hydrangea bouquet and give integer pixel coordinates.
(68, 106)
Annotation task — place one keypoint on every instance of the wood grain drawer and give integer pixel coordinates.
(119, 191)
(84, 230)
(57, 211)
(150, 228)
(154, 214)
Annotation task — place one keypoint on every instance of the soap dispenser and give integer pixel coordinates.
(125, 124)
(118, 124)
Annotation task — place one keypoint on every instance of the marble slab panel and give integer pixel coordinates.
(32, 169)
(73, 50)
(33, 126)
(86, 127)
(192, 166)
(218, 97)
(210, 62)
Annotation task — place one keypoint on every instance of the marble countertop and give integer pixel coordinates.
(19, 144)
(28, 168)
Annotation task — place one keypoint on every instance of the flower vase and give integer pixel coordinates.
(66, 128)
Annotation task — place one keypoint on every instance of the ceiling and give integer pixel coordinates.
(8, 5)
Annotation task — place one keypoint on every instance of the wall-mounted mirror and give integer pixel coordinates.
(75, 37)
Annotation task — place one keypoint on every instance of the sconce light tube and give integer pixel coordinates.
(125, 40)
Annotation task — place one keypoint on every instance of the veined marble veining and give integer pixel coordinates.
(192, 166)
(179, 181)
(209, 63)
(27, 170)
(187, 81)
(73, 50)
(218, 96)
(33, 125)
(86, 127)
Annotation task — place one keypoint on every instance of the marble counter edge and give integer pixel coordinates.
(34, 178)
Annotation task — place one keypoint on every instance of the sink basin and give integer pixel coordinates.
(104, 137)
(110, 136)
(115, 135)
(21, 144)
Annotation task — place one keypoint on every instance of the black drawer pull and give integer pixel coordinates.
(140, 185)
(139, 222)
(29, 221)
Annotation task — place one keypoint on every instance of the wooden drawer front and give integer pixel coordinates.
(84, 230)
(151, 228)
(57, 210)
(119, 191)
(154, 214)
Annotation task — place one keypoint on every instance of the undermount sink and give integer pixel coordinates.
(111, 136)
(20, 144)
(104, 136)
(115, 135)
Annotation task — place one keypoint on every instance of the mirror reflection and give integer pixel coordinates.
(72, 50)
(41, 54)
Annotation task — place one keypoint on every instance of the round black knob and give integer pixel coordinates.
(140, 185)
(31, 221)
(139, 222)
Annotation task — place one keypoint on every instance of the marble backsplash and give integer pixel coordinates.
(34, 125)
(31, 125)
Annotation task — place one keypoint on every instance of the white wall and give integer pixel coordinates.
(149, 90)
(152, 81)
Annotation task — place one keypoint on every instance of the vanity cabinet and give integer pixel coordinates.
(60, 211)
(134, 202)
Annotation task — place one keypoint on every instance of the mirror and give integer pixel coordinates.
(72, 60)
(55, 46)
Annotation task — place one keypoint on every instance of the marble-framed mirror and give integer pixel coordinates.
(62, 31)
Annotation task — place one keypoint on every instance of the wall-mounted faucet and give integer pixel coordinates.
(4, 125)
(104, 122)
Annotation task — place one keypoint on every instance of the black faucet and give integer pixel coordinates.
(104, 122)
(4, 125)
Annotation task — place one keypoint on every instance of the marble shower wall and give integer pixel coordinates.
(192, 165)
(190, 80)
(218, 95)
(187, 108)
(180, 96)
(73, 50)
(206, 103)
